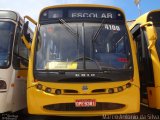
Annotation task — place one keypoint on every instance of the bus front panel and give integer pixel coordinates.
(82, 61)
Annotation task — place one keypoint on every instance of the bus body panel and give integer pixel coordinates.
(19, 91)
(14, 97)
(153, 97)
(4, 105)
(6, 97)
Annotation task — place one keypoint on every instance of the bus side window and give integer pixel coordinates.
(20, 57)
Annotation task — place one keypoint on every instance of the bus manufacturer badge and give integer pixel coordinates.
(84, 88)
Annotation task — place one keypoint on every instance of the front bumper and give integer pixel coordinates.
(37, 99)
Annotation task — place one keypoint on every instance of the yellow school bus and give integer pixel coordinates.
(146, 34)
(82, 62)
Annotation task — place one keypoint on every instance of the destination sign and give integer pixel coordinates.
(81, 13)
(91, 14)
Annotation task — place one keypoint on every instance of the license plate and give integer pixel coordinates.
(85, 103)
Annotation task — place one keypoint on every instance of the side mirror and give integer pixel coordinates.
(26, 36)
(25, 32)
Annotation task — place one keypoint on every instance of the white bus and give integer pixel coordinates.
(13, 62)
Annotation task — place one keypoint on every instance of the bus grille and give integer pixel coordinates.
(71, 107)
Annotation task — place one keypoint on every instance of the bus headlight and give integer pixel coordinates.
(3, 84)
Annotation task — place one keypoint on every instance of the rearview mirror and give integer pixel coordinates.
(25, 32)
(26, 36)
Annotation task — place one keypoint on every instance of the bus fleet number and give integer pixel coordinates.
(112, 27)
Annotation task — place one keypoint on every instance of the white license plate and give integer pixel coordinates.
(85, 103)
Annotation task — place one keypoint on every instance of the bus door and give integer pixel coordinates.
(144, 61)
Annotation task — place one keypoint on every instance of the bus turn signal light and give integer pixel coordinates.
(110, 90)
(128, 85)
(39, 87)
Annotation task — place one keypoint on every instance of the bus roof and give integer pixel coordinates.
(81, 5)
(8, 14)
(144, 18)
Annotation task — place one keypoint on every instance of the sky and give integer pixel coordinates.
(33, 7)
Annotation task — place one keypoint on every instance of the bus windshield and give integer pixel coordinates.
(6, 38)
(158, 40)
(73, 45)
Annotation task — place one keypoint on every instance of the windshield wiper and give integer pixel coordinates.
(107, 68)
(98, 31)
(87, 58)
(69, 28)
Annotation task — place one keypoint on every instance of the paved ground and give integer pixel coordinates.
(146, 113)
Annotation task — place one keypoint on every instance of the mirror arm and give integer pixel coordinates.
(28, 45)
(146, 24)
(152, 34)
(30, 19)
